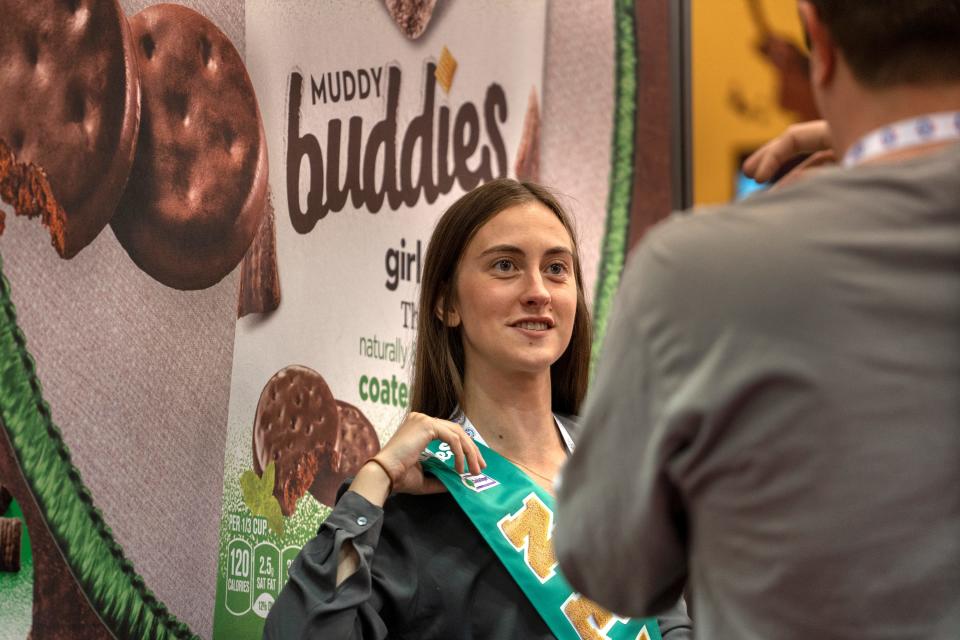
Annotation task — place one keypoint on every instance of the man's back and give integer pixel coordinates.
(798, 407)
(826, 340)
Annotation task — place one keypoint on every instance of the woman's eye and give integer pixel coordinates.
(503, 265)
(557, 269)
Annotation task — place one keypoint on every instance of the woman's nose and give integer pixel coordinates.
(536, 292)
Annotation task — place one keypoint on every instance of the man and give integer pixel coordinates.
(776, 416)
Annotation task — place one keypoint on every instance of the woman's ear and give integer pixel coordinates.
(451, 318)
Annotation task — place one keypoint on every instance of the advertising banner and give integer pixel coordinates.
(375, 122)
(213, 220)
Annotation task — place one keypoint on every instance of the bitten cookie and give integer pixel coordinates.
(357, 442)
(69, 114)
(296, 426)
(197, 192)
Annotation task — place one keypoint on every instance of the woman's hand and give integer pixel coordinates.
(398, 461)
(806, 137)
(398, 466)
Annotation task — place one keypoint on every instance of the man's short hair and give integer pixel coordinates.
(895, 42)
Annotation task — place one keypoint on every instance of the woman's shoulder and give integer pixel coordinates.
(569, 422)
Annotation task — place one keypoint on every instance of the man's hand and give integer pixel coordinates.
(806, 137)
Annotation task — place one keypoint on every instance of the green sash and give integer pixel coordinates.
(515, 516)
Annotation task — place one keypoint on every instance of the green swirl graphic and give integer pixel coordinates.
(614, 249)
(109, 580)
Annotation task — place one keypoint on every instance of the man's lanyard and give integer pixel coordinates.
(515, 517)
(913, 132)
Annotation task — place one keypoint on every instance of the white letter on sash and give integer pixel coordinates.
(529, 530)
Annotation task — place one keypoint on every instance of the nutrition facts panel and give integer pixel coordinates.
(255, 575)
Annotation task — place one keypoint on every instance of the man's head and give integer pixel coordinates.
(873, 62)
(887, 43)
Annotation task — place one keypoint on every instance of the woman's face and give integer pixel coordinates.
(516, 292)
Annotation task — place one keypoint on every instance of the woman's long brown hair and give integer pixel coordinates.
(437, 386)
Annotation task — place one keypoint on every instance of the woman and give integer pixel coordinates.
(503, 345)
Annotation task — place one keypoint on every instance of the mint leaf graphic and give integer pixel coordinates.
(259, 498)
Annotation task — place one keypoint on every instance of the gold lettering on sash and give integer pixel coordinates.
(529, 530)
(590, 620)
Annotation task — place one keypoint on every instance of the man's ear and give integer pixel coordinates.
(452, 318)
(823, 50)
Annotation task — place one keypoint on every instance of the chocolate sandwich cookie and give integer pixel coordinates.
(295, 427)
(412, 16)
(527, 164)
(198, 187)
(357, 442)
(69, 113)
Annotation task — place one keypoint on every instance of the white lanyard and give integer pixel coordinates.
(471, 430)
(933, 127)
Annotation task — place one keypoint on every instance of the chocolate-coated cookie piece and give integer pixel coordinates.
(357, 442)
(10, 544)
(69, 113)
(527, 164)
(412, 16)
(296, 425)
(5, 499)
(259, 273)
(198, 188)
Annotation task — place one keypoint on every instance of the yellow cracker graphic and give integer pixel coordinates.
(446, 68)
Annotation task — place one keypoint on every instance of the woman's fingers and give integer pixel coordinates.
(471, 460)
(475, 460)
(452, 438)
(412, 437)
